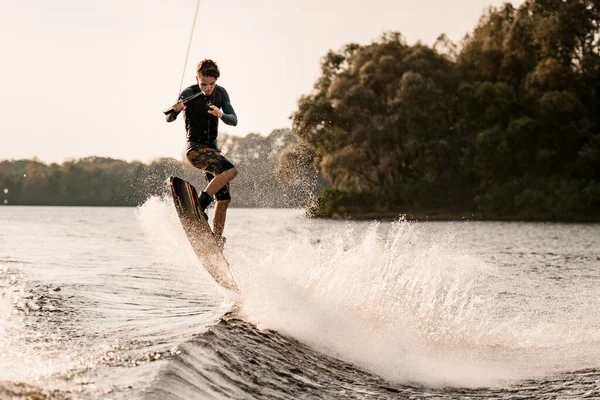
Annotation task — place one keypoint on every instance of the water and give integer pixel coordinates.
(112, 303)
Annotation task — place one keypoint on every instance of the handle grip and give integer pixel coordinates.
(192, 97)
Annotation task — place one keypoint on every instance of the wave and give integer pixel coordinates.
(414, 304)
(235, 359)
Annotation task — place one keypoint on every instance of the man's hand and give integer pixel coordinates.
(214, 110)
(179, 106)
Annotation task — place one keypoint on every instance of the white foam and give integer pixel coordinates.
(6, 308)
(32, 353)
(169, 244)
(408, 304)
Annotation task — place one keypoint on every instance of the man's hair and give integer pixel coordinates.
(208, 67)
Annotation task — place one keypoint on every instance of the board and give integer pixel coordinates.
(200, 235)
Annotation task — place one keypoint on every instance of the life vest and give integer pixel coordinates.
(202, 127)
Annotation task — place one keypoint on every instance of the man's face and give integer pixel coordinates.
(207, 83)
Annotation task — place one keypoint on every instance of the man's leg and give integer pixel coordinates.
(223, 197)
(212, 162)
(219, 216)
(220, 180)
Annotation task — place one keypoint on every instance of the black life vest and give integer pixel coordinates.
(202, 127)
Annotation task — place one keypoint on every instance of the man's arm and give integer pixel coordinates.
(179, 106)
(172, 116)
(228, 116)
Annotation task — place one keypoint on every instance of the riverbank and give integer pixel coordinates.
(424, 216)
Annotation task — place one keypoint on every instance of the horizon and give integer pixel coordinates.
(93, 79)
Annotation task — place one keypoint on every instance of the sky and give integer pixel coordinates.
(83, 78)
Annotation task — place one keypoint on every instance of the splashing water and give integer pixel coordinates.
(411, 304)
(169, 243)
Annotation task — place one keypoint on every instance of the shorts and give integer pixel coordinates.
(212, 163)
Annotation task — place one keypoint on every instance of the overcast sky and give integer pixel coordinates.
(81, 77)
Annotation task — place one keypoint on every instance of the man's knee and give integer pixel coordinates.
(232, 173)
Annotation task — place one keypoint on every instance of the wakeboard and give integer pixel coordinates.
(200, 235)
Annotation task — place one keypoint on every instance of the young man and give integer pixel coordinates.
(202, 116)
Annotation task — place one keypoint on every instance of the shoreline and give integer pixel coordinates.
(452, 217)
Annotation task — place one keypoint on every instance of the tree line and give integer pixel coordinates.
(505, 124)
(100, 181)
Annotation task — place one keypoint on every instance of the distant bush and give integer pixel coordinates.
(336, 203)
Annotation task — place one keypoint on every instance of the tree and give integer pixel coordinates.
(497, 123)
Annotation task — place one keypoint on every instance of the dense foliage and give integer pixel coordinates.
(504, 125)
(98, 181)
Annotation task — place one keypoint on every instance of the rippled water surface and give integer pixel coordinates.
(112, 303)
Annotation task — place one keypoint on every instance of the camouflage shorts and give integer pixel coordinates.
(212, 162)
(209, 160)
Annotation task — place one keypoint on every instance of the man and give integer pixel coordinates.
(202, 116)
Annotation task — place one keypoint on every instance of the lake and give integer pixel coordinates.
(112, 303)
